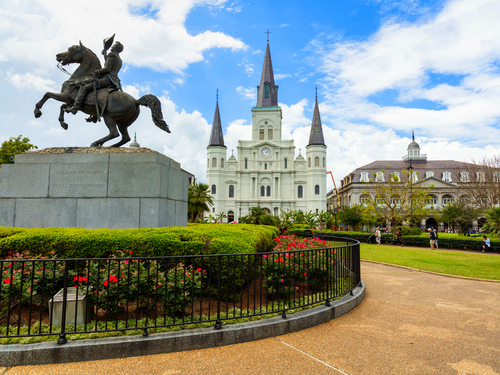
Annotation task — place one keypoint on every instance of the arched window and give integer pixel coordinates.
(286, 163)
(363, 199)
(230, 216)
(267, 87)
(231, 191)
(214, 163)
(299, 192)
(270, 134)
(261, 134)
(316, 190)
(265, 166)
(246, 163)
(324, 163)
(262, 191)
(316, 161)
(309, 162)
(447, 199)
(268, 191)
(214, 189)
(222, 163)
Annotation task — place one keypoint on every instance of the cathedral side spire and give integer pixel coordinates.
(267, 92)
(316, 137)
(216, 136)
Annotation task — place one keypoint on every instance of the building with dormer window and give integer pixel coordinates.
(447, 177)
(266, 172)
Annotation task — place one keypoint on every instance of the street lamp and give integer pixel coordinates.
(410, 169)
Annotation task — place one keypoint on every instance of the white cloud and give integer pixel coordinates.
(247, 93)
(402, 58)
(278, 76)
(30, 81)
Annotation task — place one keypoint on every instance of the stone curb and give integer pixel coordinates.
(431, 272)
(50, 352)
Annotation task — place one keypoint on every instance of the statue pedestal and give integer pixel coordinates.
(93, 187)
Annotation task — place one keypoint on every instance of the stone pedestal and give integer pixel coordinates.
(92, 187)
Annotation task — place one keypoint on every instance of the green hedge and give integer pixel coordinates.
(94, 243)
(464, 243)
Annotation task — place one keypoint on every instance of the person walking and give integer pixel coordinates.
(436, 240)
(377, 235)
(432, 236)
(399, 237)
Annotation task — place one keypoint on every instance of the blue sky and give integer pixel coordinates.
(382, 68)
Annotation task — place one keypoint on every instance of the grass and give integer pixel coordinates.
(457, 263)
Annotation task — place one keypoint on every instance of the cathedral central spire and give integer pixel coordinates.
(267, 91)
(316, 136)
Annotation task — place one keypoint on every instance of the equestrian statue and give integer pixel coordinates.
(97, 92)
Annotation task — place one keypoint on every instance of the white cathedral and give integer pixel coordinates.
(266, 173)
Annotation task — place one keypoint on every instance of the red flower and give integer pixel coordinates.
(105, 282)
(198, 269)
(305, 273)
(7, 281)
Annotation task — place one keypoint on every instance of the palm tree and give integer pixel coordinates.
(493, 220)
(198, 201)
(220, 217)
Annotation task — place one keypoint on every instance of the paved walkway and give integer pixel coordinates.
(409, 323)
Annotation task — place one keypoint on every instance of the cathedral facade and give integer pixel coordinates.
(266, 173)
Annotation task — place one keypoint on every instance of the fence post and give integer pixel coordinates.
(62, 335)
(218, 323)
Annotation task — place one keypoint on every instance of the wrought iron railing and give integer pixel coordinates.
(41, 297)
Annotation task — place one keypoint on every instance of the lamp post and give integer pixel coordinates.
(410, 169)
(239, 216)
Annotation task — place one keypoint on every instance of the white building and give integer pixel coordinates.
(266, 173)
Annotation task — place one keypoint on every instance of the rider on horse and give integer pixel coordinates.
(108, 76)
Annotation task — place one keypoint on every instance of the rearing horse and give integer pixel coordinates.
(118, 109)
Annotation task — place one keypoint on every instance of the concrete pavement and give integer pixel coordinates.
(409, 323)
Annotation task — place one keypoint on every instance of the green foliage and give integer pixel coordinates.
(259, 216)
(459, 213)
(492, 220)
(195, 239)
(13, 146)
(198, 201)
(412, 231)
(352, 216)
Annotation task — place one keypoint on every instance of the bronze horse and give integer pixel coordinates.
(118, 109)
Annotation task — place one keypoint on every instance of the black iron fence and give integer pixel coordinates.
(41, 297)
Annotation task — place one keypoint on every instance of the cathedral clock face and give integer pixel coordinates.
(265, 152)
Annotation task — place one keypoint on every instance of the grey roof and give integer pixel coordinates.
(316, 136)
(267, 78)
(413, 144)
(436, 166)
(216, 136)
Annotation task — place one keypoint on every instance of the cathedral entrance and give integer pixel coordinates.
(268, 211)
(230, 216)
(431, 223)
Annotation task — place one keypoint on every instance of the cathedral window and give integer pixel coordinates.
(316, 161)
(262, 191)
(286, 163)
(214, 189)
(316, 190)
(246, 163)
(324, 163)
(447, 199)
(214, 163)
(265, 166)
(270, 134)
(299, 192)
(231, 191)
(268, 191)
(261, 134)
(267, 87)
(222, 163)
(309, 162)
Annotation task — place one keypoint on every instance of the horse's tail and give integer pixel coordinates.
(153, 103)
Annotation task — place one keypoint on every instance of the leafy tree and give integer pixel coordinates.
(14, 146)
(310, 219)
(198, 201)
(492, 220)
(397, 199)
(459, 213)
(259, 216)
(220, 217)
(352, 216)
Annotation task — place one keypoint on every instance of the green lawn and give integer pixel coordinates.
(482, 266)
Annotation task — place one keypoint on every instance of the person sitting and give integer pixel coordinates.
(486, 243)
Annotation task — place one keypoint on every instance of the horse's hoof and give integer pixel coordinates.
(38, 113)
(64, 125)
(95, 144)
